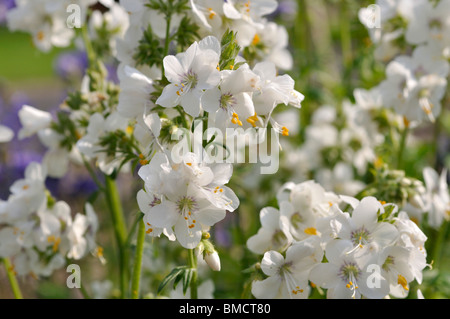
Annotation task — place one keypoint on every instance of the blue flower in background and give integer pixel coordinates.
(5, 6)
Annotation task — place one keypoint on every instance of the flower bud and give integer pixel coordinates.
(213, 260)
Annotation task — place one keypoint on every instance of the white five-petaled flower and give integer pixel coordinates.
(344, 275)
(189, 74)
(362, 230)
(231, 102)
(288, 276)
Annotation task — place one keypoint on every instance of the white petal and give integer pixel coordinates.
(163, 215)
(271, 263)
(267, 288)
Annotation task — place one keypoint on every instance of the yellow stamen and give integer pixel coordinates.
(40, 35)
(256, 39)
(402, 281)
(311, 231)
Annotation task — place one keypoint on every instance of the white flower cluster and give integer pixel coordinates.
(184, 200)
(38, 233)
(337, 148)
(46, 21)
(415, 83)
(368, 250)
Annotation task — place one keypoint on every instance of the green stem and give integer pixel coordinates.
(84, 292)
(92, 173)
(88, 46)
(193, 265)
(438, 244)
(120, 230)
(401, 148)
(12, 279)
(136, 279)
(166, 41)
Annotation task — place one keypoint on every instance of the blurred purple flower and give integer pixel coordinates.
(71, 65)
(5, 6)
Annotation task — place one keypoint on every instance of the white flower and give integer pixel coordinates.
(344, 275)
(90, 146)
(6, 134)
(115, 21)
(192, 196)
(274, 40)
(232, 100)
(340, 179)
(273, 89)
(362, 230)
(437, 197)
(33, 120)
(274, 232)
(288, 277)
(135, 91)
(395, 268)
(189, 74)
(427, 22)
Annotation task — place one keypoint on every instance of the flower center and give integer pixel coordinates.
(388, 263)
(186, 207)
(349, 273)
(359, 238)
(226, 101)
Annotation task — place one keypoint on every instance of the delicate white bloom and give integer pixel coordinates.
(362, 230)
(344, 275)
(192, 196)
(288, 277)
(6, 134)
(33, 120)
(273, 235)
(437, 197)
(273, 89)
(190, 73)
(231, 102)
(135, 92)
(115, 21)
(90, 146)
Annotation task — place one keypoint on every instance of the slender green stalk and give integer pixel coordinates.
(92, 173)
(84, 292)
(401, 148)
(88, 46)
(120, 230)
(167, 40)
(438, 244)
(193, 265)
(136, 279)
(12, 279)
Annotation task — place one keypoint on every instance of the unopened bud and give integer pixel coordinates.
(213, 260)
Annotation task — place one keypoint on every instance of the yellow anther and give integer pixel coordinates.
(40, 36)
(310, 231)
(129, 130)
(284, 131)
(382, 202)
(211, 13)
(402, 281)
(256, 39)
(141, 156)
(189, 164)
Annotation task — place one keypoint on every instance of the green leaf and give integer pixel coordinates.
(171, 276)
